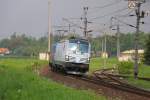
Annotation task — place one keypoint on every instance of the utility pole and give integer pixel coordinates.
(74, 31)
(69, 28)
(117, 35)
(85, 9)
(102, 46)
(105, 49)
(137, 39)
(49, 28)
(118, 40)
(139, 15)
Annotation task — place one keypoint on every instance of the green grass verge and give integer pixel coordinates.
(144, 71)
(98, 63)
(18, 82)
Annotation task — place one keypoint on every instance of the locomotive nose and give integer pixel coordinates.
(77, 59)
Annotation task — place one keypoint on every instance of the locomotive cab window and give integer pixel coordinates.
(79, 46)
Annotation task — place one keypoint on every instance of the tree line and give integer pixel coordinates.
(126, 42)
(23, 45)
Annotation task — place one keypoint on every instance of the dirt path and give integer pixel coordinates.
(111, 93)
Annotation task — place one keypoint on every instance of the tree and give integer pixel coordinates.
(147, 52)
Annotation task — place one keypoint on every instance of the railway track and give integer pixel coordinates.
(112, 82)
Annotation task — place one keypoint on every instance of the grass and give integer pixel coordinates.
(139, 83)
(18, 82)
(144, 71)
(98, 63)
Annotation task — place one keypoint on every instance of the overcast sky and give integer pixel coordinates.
(31, 16)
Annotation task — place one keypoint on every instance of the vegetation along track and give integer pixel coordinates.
(108, 81)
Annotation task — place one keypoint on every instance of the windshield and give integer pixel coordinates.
(83, 48)
(79, 46)
(73, 46)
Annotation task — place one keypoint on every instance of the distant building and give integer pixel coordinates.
(44, 56)
(95, 54)
(104, 54)
(99, 54)
(128, 55)
(4, 51)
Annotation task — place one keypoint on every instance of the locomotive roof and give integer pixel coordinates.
(76, 39)
(79, 39)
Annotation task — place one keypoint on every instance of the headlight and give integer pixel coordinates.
(88, 60)
(67, 58)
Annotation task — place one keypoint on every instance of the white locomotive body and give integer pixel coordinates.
(72, 56)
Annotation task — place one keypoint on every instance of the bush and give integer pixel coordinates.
(125, 67)
(147, 53)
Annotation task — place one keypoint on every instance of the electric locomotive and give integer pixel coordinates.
(71, 55)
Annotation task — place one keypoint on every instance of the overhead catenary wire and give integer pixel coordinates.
(114, 13)
(107, 5)
(145, 23)
(120, 10)
(76, 25)
(127, 14)
(124, 22)
(55, 26)
(104, 6)
(71, 18)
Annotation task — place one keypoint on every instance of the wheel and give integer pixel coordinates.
(53, 67)
(63, 70)
(50, 64)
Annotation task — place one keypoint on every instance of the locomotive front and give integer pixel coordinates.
(77, 56)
